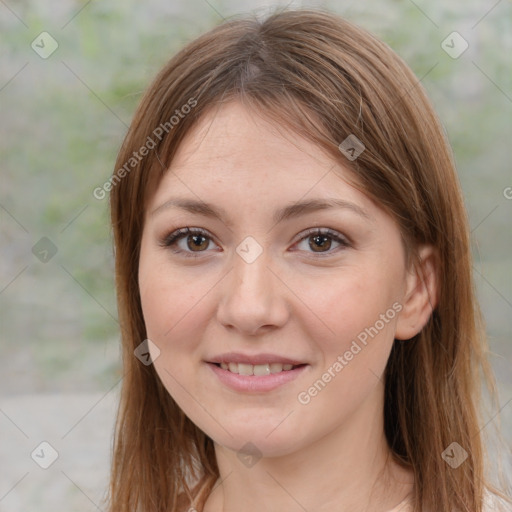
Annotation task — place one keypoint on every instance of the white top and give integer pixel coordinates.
(404, 506)
(492, 504)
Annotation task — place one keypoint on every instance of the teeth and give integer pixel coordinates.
(257, 369)
(261, 369)
(244, 369)
(276, 367)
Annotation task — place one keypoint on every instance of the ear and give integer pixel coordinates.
(420, 297)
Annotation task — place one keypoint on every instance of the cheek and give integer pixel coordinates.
(361, 313)
(360, 310)
(356, 305)
(172, 301)
(172, 310)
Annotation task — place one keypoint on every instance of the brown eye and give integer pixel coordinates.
(197, 241)
(321, 242)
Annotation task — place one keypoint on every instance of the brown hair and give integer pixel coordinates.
(326, 79)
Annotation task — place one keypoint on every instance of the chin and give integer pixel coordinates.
(258, 441)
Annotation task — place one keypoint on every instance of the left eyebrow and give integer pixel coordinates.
(285, 213)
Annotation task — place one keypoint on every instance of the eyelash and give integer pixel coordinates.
(172, 238)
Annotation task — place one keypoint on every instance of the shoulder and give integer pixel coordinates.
(494, 503)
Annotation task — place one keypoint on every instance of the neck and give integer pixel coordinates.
(350, 469)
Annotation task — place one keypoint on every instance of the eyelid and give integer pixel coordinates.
(333, 233)
(178, 233)
(338, 237)
(173, 237)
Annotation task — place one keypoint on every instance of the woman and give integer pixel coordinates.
(300, 330)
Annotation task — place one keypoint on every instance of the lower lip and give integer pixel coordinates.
(256, 382)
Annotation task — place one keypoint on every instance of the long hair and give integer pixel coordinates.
(326, 79)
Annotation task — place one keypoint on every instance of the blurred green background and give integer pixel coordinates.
(63, 119)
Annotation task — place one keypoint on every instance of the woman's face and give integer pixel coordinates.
(272, 280)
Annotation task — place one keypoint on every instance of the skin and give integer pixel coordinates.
(328, 454)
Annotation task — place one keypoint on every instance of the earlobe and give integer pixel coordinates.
(421, 296)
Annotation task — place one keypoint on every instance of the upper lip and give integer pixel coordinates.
(236, 357)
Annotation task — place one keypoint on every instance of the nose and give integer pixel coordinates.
(254, 299)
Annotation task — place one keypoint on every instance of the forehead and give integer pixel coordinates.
(234, 147)
(237, 138)
(242, 164)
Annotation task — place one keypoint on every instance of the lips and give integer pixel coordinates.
(257, 372)
(256, 383)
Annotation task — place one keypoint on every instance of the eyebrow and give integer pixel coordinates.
(290, 211)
